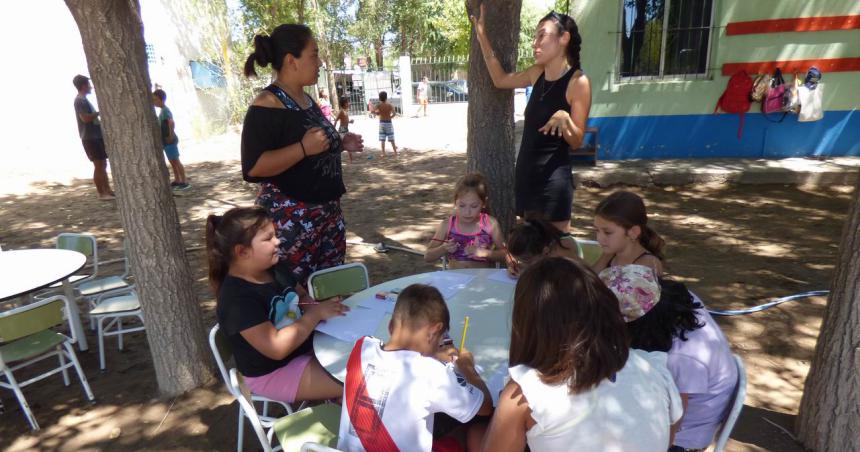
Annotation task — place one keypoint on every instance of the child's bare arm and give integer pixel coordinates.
(437, 246)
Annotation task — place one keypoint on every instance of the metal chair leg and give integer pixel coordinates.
(25, 407)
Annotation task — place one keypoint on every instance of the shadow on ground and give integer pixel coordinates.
(734, 246)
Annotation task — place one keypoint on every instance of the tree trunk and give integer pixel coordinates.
(112, 35)
(378, 47)
(829, 417)
(300, 7)
(490, 137)
(325, 54)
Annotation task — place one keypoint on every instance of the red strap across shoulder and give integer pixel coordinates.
(362, 413)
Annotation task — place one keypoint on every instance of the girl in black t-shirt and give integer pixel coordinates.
(268, 333)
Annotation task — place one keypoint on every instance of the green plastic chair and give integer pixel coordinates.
(84, 244)
(26, 337)
(318, 424)
(589, 250)
(344, 279)
(113, 307)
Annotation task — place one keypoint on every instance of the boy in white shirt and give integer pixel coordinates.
(393, 391)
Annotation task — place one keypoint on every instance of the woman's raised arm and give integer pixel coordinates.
(501, 79)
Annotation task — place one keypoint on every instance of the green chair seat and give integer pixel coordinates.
(101, 285)
(113, 305)
(317, 424)
(31, 346)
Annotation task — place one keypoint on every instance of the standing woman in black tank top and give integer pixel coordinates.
(555, 116)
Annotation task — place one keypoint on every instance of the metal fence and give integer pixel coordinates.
(446, 77)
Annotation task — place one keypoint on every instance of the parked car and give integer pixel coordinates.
(444, 91)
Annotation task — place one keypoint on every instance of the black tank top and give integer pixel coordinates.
(541, 154)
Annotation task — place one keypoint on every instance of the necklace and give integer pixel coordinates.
(301, 101)
(546, 90)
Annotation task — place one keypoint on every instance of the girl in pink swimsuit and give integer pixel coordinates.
(469, 238)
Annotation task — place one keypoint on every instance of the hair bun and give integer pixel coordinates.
(263, 52)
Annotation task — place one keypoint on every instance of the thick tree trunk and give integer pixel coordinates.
(325, 54)
(377, 48)
(829, 416)
(490, 137)
(112, 35)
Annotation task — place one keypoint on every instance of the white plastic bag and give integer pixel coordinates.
(810, 103)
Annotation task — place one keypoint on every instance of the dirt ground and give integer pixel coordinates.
(734, 246)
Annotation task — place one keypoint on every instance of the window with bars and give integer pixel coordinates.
(665, 39)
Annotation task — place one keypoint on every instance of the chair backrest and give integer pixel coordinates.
(222, 353)
(341, 280)
(243, 395)
(82, 243)
(737, 405)
(589, 250)
(31, 318)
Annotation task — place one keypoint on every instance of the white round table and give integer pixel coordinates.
(24, 271)
(487, 299)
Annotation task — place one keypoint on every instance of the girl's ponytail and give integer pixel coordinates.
(219, 263)
(237, 226)
(652, 242)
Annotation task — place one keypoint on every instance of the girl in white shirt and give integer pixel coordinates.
(575, 383)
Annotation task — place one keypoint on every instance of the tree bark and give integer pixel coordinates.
(112, 36)
(829, 417)
(325, 54)
(490, 136)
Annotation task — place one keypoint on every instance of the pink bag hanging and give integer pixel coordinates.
(772, 103)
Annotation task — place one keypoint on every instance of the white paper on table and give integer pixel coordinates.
(502, 276)
(497, 382)
(448, 283)
(375, 303)
(358, 322)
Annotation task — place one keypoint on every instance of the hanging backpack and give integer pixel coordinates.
(809, 95)
(773, 101)
(736, 97)
(760, 86)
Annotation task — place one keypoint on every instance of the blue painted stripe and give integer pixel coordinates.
(715, 136)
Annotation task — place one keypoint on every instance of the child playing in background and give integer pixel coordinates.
(470, 238)
(393, 390)
(623, 233)
(535, 238)
(325, 105)
(342, 121)
(386, 129)
(170, 140)
(277, 363)
(663, 316)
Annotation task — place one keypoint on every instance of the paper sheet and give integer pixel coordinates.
(497, 382)
(448, 283)
(386, 305)
(358, 322)
(502, 276)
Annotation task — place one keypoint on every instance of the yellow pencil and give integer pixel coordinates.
(465, 329)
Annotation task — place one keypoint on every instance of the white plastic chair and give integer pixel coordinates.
(737, 405)
(26, 335)
(341, 280)
(222, 353)
(114, 307)
(246, 404)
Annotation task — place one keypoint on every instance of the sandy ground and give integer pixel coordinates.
(734, 246)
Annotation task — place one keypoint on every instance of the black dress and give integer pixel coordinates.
(544, 183)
